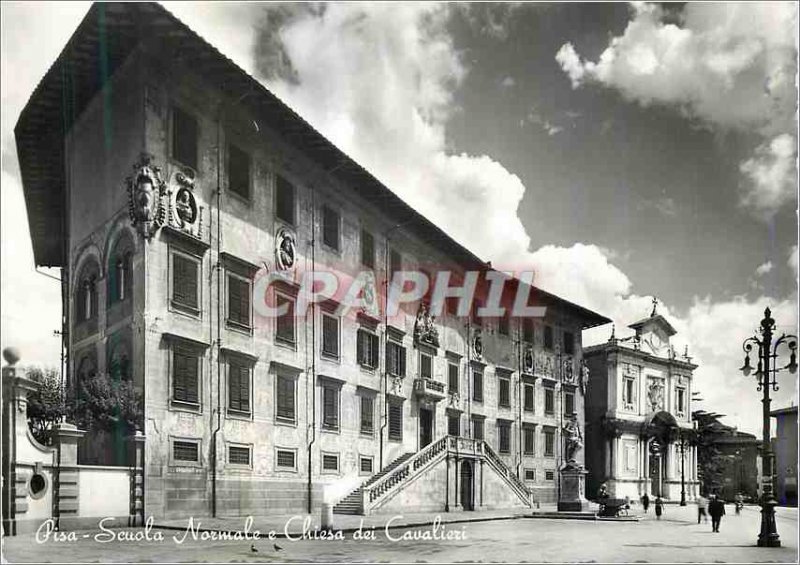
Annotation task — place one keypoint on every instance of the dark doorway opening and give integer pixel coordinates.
(425, 427)
(467, 502)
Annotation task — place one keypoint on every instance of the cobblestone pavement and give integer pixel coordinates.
(675, 538)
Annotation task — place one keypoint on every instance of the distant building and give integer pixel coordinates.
(785, 446)
(638, 402)
(741, 460)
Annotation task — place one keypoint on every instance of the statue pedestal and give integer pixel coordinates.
(573, 481)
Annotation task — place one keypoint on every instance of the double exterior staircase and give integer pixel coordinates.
(351, 504)
(383, 486)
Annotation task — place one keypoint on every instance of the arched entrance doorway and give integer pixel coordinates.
(657, 430)
(467, 479)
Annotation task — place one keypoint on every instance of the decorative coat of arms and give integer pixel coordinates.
(146, 191)
(567, 372)
(186, 212)
(285, 250)
(655, 395)
(527, 360)
(477, 344)
(424, 329)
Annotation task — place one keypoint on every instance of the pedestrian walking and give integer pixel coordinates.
(739, 502)
(717, 510)
(701, 509)
(659, 507)
(645, 502)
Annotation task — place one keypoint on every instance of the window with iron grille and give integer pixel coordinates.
(425, 366)
(330, 336)
(185, 375)
(503, 436)
(186, 451)
(185, 272)
(395, 359)
(367, 348)
(284, 200)
(238, 455)
(569, 343)
(366, 465)
(477, 386)
(284, 322)
(549, 475)
(549, 401)
(504, 396)
(367, 249)
(477, 428)
(238, 301)
(285, 459)
(395, 421)
(530, 474)
(238, 386)
(367, 415)
(239, 171)
(529, 397)
(453, 425)
(330, 407)
(284, 398)
(569, 403)
(330, 463)
(527, 330)
(548, 337)
(549, 443)
(529, 440)
(184, 138)
(452, 378)
(330, 227)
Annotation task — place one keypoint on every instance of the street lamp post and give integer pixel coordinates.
(682, 446)
(767, 373)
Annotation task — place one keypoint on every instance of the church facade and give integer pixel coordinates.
(638, 415)
(184, 211)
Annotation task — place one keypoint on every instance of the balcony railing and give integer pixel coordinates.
(430, 389)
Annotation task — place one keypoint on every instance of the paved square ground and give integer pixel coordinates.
(675, 538)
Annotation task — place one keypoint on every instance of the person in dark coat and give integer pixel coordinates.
(716, 508)
(659, 507)
(645, 502)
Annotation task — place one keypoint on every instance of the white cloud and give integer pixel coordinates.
(763, 269)
(508, 82)
(731, 65)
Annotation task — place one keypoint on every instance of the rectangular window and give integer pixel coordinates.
(395, 262)
(681, 401)
(184, 138)
(453, 425)
(367, 349)
(366, 465)
(185, 376)
(527, 330)
(284, 322)
(367, 415)
(477, 428)
(238, 455)
(569, 403)
(238, 386)
(549, 401)
(330, 463)
(284, 398)
(529, 398)
(569, 343)
(452, 378)
(185, 287)
(477, 386)
(530, 474)
(395, 359)
(330, 227)
(367, 249)
(549, 475)
(330, 407)
(425, 366)
(503, 325)
(548, 337)
(504, 395)
(239, 171)
(503, 437)
(330, 336)
(238, 301)
(186, 451)
(549, 443)
(395, 421)
(285, 459)
(628, 392)
(529, 440)
(284, 200)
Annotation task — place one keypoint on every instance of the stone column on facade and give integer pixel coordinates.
(136, 444)
(65, 439)
(647, 477)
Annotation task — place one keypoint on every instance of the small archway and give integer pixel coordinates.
(467, 480)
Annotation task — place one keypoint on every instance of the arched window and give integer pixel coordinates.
(86, 297)
(119, 361)
(119, 271)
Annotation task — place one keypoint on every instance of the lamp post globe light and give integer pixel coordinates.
(766, 375)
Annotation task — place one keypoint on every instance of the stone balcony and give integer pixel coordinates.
(430, 390)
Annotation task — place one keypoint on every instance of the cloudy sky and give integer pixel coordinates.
(621, 150)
